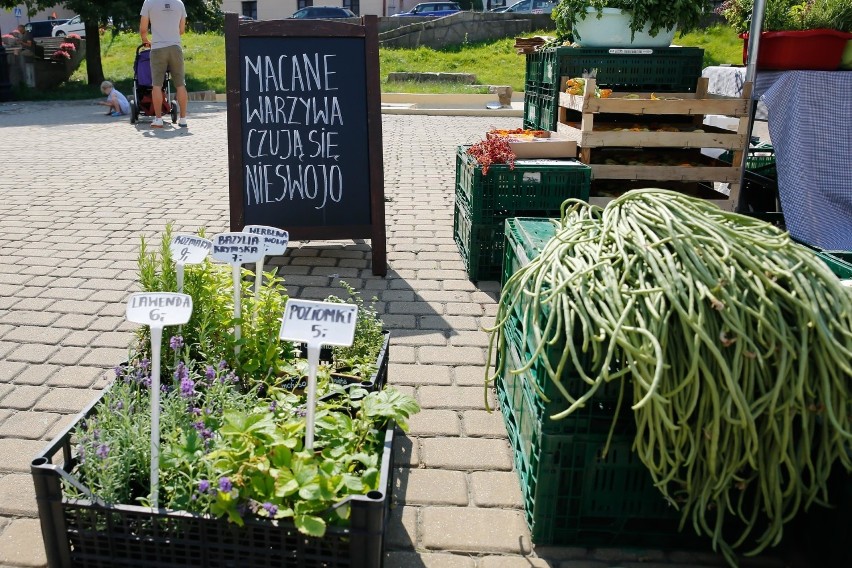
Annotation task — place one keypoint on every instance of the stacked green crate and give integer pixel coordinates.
(662, 69)
(574, 493)
(532, 85)
(483, 203)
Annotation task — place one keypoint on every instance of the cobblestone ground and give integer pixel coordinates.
(80, 189)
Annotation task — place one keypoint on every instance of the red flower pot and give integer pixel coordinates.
(819, 50)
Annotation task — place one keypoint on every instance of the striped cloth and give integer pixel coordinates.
(810, 124)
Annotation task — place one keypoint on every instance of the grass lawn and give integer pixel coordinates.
(493, 63)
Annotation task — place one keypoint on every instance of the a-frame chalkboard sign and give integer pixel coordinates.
(305, 129)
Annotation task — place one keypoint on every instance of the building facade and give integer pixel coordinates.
(9, 19)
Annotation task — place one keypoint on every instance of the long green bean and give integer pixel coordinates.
(736, 341)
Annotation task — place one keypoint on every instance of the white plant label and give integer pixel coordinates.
(157, 310)
(317, 324)
(275, 240)
(190, 249)
(237, 248)
(323, 323)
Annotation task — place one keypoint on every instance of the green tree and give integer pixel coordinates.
(122, 15)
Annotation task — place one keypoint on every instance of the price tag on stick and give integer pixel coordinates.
(188, 249)
(236, 249)
(275, 242)
(317, 324)
(157, 310)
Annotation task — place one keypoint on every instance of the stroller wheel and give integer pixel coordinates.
(134, 111)
(175, 111)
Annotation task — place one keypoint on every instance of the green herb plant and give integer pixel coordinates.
(231, 435)
(369, 334)
(790, 15)
(660, 14)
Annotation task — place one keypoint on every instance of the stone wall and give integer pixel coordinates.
(460, 28)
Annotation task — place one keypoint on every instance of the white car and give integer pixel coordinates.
(532, 7)
(73, 26)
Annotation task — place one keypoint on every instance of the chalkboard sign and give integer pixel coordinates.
(304, 129)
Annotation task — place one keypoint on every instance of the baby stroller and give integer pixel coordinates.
(141, 101)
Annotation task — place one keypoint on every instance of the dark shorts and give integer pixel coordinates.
(170, 58)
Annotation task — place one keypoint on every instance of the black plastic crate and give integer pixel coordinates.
(377, 380)
(84, 534)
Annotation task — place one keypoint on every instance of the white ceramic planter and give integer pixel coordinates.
(613, 30)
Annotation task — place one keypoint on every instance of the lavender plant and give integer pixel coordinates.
(230, 453)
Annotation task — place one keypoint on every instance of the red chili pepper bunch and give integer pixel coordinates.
(492, 150)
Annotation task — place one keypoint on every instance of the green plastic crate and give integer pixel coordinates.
(840, 262)
(481, 246)
(534, 67)
(538, 188)
(533, 412)
(525, 238)
(760, 159)
(662, 69)
(532, 109)
(574, 495)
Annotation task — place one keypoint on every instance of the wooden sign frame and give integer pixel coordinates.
(368, 31)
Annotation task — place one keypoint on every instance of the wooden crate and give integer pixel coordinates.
(642, 128)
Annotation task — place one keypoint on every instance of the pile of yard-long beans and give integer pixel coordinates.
(737, 342)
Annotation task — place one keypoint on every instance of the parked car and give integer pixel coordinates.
(73, 26)
(499, 10)
(433, 9)
(323, 13)
(533, 7)
(41, 28)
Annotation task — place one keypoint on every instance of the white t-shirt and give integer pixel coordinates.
(123, 103)
(165, 16)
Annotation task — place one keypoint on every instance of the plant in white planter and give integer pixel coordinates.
(651, 17)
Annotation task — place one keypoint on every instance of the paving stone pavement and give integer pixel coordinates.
(80, 189)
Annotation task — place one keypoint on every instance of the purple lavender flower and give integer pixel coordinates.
(195, 411)
(118, 370)
(223, 364)
(210, 373)
(146, 382)
(102, 451)
(199, 426)
(181, 372)
(203, 486)
(206, 434)
(176, 342)
(144, 364)
(225, 485)
(118, 406)
(270, 508)
(273, 406)
(187, 387)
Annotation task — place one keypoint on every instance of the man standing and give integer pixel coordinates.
(168, 22)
